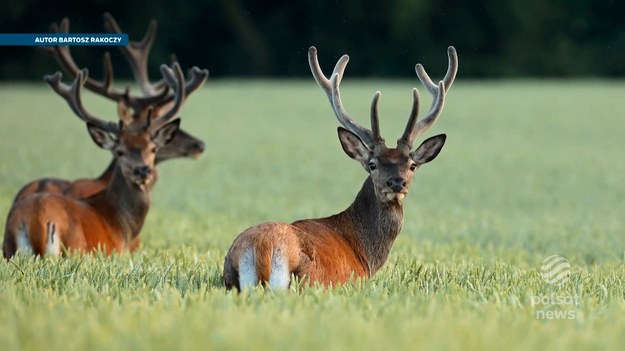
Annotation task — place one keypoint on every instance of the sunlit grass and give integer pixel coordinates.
(530, 169)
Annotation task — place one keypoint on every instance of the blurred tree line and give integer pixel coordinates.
(494, 38)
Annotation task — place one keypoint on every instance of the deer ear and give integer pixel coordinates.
(353, 146)
(429, 149)
(166, 133)
(101, 137)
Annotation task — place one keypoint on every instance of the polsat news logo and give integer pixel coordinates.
(64, 39)
(555, 270)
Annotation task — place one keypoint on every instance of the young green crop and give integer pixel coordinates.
(530, 169)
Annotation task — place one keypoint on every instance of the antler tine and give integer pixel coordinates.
(450, 76)
(197, 78)
(423, 125)
(331, 88)
(365, 135)
(137, 54)
(412, 120)
(321, 79)
(414, 128)
(435, 111)
(175, 79)
(108, 72)
(375, 120)
(71, 94)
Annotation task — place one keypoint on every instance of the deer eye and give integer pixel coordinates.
(413, 166)
(154, 150)
(372, 166)
(119, 153)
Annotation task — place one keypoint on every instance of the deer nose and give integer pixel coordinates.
(142, 171)
(199, 146)
(396, 184)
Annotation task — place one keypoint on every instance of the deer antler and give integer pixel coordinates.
(71, 94)
(371, 137)
(331, 88)
(414, 128)
(137, 55)
(65, 59)
(175, 80)
(196, 78)
(105, 87)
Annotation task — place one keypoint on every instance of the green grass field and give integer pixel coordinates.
(530, 169)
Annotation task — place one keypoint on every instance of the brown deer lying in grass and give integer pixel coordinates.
(111, 219)
(133, 110)
(156, 96)
(356, 242)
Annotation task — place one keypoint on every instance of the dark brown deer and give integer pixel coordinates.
(110, 220)
(155, 96)
(356, 242)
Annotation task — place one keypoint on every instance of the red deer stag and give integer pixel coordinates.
(155, 96)
(47, 223)
(356, 242)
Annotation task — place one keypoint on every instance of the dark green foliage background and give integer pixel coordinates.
(557, 38)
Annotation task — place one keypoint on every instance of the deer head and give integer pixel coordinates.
(135, 152)
(391, 169)
(156, 99)
(134, 146)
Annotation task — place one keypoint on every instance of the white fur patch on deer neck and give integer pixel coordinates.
(279, 277)
(247, 270)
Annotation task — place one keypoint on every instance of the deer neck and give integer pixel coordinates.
(375, 225)
(107, 175)
(126, 204)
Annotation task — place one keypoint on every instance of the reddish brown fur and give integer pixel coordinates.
(119, 219)
(81, 188)
(183, 145)
(329, 256)
(73, 218)
(350, 245)
(316, 251)
(356, 242)
(110, 220)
